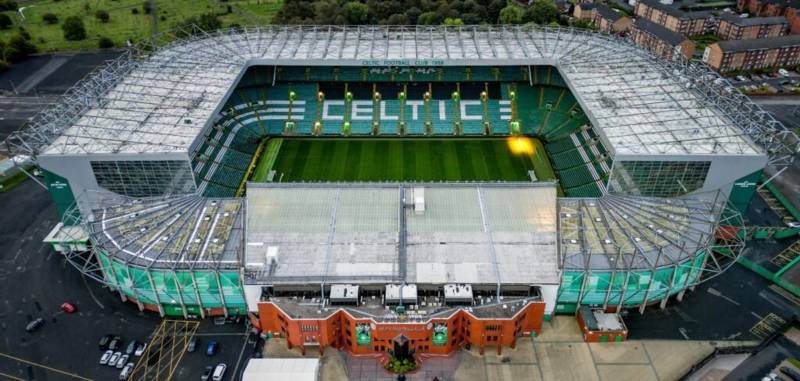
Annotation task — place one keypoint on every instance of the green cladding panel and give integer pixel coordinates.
(177, 290)
(634, 287)
(743, 190)
(61, 193)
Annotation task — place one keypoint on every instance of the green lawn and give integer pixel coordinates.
(376, 159)
(124, 24)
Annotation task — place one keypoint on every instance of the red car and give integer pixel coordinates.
(67, 307)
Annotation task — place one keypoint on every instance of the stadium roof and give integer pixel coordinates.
(188, 232)
(159, 102)
(363, 233)
(641, 232)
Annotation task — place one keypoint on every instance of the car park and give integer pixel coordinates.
(105, 357)
(192, 344)
(115, 343)
(104, 341)
(207, 373)
(34, 324)
(219, 372)
(114, 358)
(131, 347)
(212, 348)
(126, 371)
(122, 361)
(140, 349)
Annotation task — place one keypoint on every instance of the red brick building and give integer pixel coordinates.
(674, 19)
(346, 329)
(660, 40)
(773, 8)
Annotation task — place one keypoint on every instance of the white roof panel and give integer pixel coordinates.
(639, 103)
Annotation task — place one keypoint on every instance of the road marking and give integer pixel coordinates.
(683, 333)
(73, 375)
(767, 326)
(241, 353)
(716, 293)
(11, 377)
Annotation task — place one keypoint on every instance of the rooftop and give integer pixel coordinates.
(661, 32)
(750, 21)
(760, 43)
(675, 11)
(363, 233)
(608, 13)
(615, 232)
(160, 102)
(188, 232)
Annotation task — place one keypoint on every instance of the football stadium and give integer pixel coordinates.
(359, 187)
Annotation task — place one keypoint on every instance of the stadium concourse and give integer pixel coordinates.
(378, 188)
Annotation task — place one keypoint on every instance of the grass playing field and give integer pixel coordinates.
(352, 160)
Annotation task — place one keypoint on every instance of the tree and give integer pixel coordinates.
(50, 18)
(542, 12)
(356, 13)
(18, 48)
(102, 15)
(208, 22)
(511, 14)
(74, 29)
(429, 18)
(8, 5)
(452, 21)
(105, 43)
(146, 7)
(582, 24)
(4, 66)
(5, 21)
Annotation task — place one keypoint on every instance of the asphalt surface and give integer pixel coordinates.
(723, 308)
(762, 363)
(35, 281)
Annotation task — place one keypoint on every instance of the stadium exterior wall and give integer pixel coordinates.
(77, 171)
(185, 293)
(366, 336)
(725, 170)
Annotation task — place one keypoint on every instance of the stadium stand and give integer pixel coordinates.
(542, 105)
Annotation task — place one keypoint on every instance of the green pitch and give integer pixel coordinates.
(376, 159)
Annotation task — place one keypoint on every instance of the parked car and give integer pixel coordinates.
(126, 371)
(114, 358)
(212, 348)
(34, 324)
(783, 72)
(793, 224)
(104, 341)
(793, 374)
(131, 347)
(219, 372)
(122, 361)
(140, 349)
(105, 357)
(68, 307)
(192, 344)
(207, 373)
(219, 320)
(115, 343)
(741, 78)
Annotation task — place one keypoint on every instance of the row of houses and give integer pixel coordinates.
(749, 42)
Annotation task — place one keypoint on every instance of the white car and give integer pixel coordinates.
(793, 224)
(219, 372)
(122, 361)
(140, 349)
(113, 360)
(105, 357)
(126, 371)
